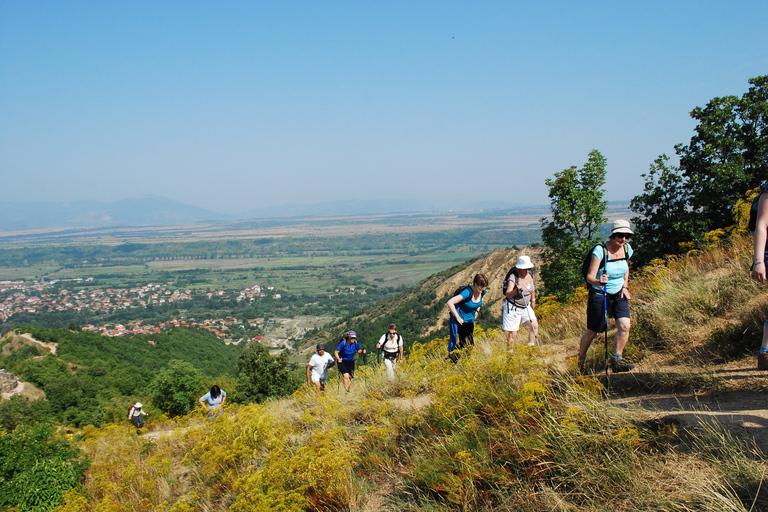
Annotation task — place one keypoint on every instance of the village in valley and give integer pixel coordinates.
(20, 296)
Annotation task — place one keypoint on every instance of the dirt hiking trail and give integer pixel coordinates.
(732, 395)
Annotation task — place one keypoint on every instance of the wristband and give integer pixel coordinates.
(758, 262)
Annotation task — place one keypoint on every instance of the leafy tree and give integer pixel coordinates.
(578, 210)
(665, 218)
(176, 388)
(262, 375)
(727, 156)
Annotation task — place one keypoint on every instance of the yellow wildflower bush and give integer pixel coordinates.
(316, 475)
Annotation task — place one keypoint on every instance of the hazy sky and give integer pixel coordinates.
(237, 105)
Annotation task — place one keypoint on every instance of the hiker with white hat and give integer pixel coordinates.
(135, 414)
(609, 294)
(520, 294)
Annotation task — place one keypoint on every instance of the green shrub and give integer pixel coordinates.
(37, 468)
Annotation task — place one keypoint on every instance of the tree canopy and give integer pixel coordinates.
(726, 157)
(578, 210)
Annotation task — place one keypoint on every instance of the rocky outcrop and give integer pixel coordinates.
(8, 381)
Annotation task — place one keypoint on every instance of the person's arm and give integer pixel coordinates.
(511, 289)
(309, 382)
(360, 349)
(130, 413)
(532, 303)
(202, 404)
(592, 278)
(381, 342)
(452, 306)
(625, 287)
(400, 349)
(336, 354)
(223, 397)
(761, 233)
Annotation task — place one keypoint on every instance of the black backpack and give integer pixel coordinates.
(752, 224)
(588, 261)
(512, 272)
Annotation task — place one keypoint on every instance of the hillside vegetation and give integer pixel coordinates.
(90, 379)
(499, 430)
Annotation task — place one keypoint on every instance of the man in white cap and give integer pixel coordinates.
(520, 301)
(608, 283)
(317, 368)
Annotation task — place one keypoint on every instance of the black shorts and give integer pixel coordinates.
(618, 307)
(347, 367)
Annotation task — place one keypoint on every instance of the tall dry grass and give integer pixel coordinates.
(498, 430)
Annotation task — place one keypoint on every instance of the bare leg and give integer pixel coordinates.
(511, 335)
(622, 335)
(347, 381)
(586, 341)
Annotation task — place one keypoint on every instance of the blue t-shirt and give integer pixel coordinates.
(347, 351)
(467, 308)
(616, 270)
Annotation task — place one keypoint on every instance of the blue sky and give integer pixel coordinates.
(238, 105)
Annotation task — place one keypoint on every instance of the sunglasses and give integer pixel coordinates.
(623, 235)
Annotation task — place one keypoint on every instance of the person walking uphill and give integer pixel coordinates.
(465, 306)
(520, 301)
(213, 399)
(759, 265)
(609, 288)
(345, 355)
(391, 345)
(317, 368)
(135, 414)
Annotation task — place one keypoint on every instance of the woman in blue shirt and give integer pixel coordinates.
(613, 282)
(345, 355)
(464, 310)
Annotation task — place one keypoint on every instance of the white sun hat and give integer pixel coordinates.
(524, 262)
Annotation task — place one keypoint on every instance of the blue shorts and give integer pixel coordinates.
(618, 307)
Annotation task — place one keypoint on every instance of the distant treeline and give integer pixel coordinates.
(132, 253)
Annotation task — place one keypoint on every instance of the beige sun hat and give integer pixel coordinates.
(524, 262)
(621, 226)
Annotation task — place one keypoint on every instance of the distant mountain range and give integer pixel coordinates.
(137, 211)
(152, 210)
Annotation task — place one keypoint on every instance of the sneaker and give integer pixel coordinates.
(762, 361)
(621, 366)
(531, 344)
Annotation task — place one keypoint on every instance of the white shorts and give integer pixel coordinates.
(318, 378)
(512, 316)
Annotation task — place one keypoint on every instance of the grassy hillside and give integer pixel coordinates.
(500, 430)
(420, 311)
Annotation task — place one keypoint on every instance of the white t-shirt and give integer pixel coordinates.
(392, 343)
(319, 364)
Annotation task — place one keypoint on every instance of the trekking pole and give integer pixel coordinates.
(530, 321)
(605, 314)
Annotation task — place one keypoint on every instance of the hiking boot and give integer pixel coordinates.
(762, 361)
(582, 365)
(621, 366)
